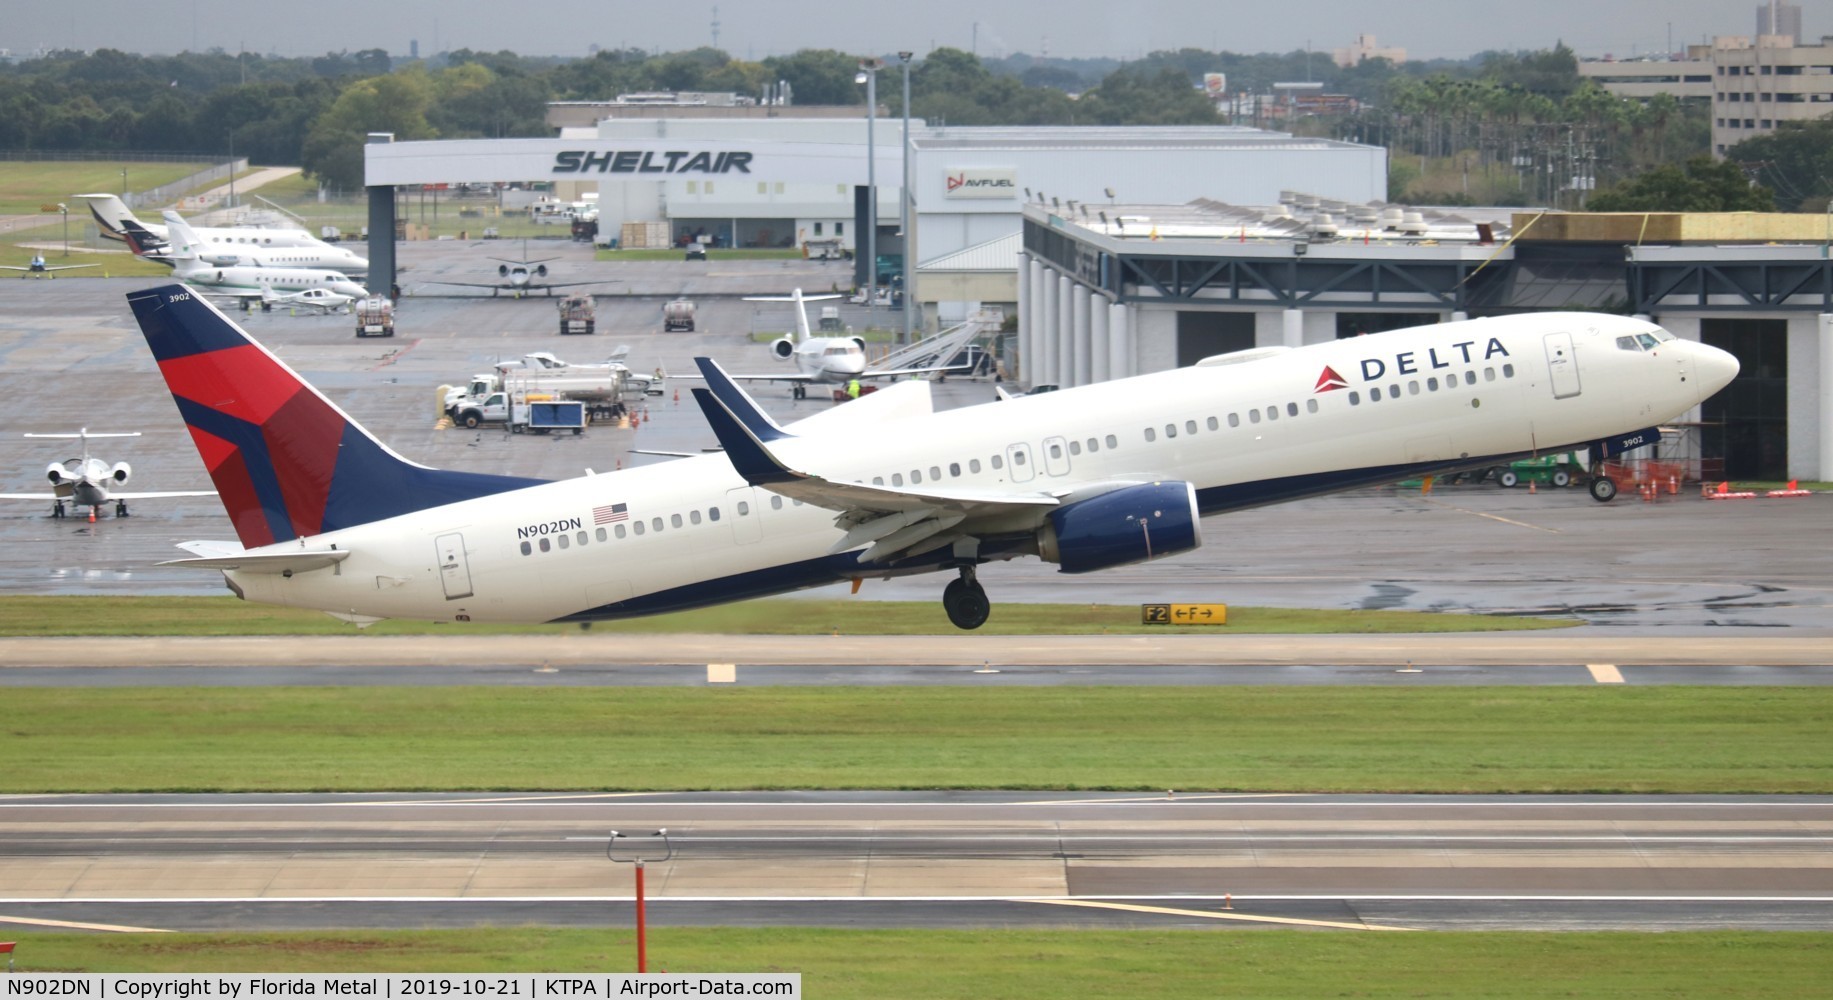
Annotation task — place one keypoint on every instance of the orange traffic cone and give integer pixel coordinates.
(1530, 486)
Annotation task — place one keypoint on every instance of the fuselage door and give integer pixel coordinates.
(1056, 456)
(747, 521)
(1018, 462)
(454, 569)
(1562, 365)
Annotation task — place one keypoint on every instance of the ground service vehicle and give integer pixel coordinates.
(578, 314)
(678, 315)
(375, 317)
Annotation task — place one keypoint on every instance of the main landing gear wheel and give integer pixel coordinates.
(798, 392)
(121, 508)
(1603, 489)
(965, 601)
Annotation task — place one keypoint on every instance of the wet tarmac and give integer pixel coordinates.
(71, 356)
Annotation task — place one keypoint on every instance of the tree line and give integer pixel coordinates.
(1526, 114)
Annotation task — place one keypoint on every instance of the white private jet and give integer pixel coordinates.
(519, 277)
(824, 360)
(91, 482)
(252, 284)
(328, 517)
(115, 220)
(322, 299)
(39, 269)
(185, 241)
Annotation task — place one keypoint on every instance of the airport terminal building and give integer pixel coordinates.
(1161, 286)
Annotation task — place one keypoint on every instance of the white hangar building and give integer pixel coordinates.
(784, 181)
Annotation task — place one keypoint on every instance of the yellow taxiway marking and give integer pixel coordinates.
(37, 922)
(1605, 673)
(1493, 517)
(1213, 914)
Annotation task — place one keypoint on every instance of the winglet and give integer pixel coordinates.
(749, 457)
(740, 404)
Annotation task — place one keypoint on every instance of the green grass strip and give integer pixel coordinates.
(974, 964)
(153, 616)
(1273, 738)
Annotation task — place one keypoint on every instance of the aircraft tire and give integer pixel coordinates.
(966, 604)
(1603, 489)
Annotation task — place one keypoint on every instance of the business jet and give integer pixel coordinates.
(328, 517)
(830, 360)
(91, 482)
(39, 269)
(114, 220)
(519, 277)
(253, 284)
(185, 241)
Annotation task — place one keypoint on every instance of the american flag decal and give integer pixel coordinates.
(609, 513)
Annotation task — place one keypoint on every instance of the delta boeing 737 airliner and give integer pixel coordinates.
(328, 517)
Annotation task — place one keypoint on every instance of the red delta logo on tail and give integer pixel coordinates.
(1329, 380)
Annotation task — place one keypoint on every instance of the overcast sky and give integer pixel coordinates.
(757, 28)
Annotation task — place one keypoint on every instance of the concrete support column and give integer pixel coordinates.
(1292, 327)
(1081, 335)
(1459, 316)
(1063, 356)
(1823, 425)
(1021, 351)
(1099, 369)
(1046, 370)
(1033, 361)
(1120, 342)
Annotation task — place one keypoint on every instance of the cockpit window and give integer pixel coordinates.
(1628, 344)
(1648, 341)
(1664, 336)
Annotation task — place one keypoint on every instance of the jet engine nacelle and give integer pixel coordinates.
(860, 342)
(120, 472)
(502, 270)
(541, 270)
(56, 472)
(783, 348)
(1128, 525)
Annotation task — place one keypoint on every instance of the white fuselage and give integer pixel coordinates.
(320, 256)
(834, 360)
(1243, 433)
(279, 279)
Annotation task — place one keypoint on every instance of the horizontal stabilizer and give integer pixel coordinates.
(293, 561)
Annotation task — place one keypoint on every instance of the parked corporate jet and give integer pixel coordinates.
(39, 269)
(91, 482)
(328, 517)
(112, 219)
(519, 277)
(256, 284)
(830, 360)
(322, 299)
(184, 241)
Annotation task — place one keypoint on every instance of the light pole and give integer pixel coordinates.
(64, 210)
(903, 198)
(642, 934)
(868, 75)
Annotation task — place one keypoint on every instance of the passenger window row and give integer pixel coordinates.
(1431, 384)
(564, 540)
(995, 462)
(1254, 416)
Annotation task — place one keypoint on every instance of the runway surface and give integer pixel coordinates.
(921, 859)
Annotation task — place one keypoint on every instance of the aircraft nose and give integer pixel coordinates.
(1713, 369)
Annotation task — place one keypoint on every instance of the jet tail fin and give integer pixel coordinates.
(743, 408)
(286, 461)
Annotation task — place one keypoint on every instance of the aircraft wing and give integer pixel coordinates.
(893, 521)
(28, 496)
(47, 268)
(168, 495)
